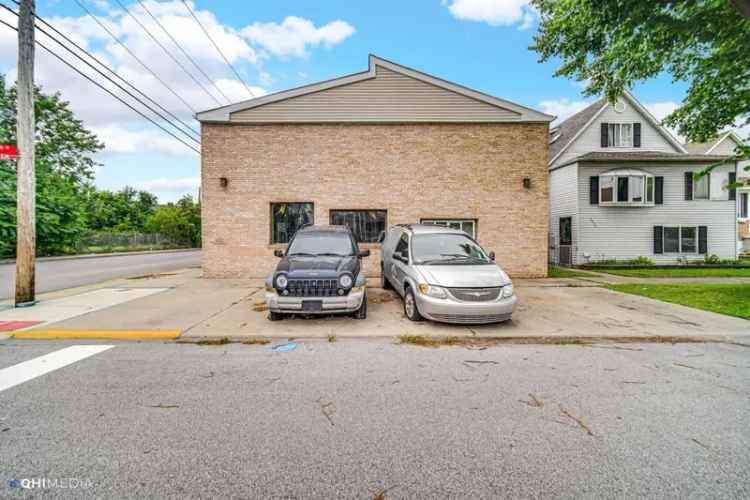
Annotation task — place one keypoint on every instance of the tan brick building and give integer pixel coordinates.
(387, 146)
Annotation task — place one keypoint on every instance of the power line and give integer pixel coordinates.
(113, 73)
(104, 88)
(179, 46)
(127, 49)
(169, 54)
(217, 47)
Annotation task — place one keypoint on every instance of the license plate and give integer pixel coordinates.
(312, 305)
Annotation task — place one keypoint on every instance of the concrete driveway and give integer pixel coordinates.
(217, 308)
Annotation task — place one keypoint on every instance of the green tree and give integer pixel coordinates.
(64, 165)
(181, 221)
(611, 44)
(124, 210)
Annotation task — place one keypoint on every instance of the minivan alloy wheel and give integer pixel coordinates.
(410, 306)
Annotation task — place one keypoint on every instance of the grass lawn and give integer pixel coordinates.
(679, 272)
(563, 272)
(732, 300)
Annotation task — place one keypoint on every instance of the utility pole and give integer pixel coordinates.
(25, 175)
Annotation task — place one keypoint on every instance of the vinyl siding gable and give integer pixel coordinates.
(590, 139)
(388, 97)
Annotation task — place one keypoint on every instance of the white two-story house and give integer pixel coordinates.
(622, 186)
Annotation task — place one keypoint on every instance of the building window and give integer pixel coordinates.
(701, 188)
(366, 225)
(287, 218)
(681, 239)
(566, 230)
(630, 189)
(620, 135)
(468, 226)
(744, 204)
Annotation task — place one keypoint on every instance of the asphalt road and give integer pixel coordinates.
(352, 419)
(58, 274)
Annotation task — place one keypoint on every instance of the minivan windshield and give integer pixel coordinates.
(443, 248)
(316, 243)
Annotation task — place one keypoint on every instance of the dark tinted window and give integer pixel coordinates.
(403, 246)
(566, 231)
(287, 218)
(671, 239)
(321, 242)
(365, 225)
(446, 248)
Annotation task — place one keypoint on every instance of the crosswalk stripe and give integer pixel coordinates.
(33, 368)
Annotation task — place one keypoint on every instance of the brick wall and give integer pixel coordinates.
(412, 170)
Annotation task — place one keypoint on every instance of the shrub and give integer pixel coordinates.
(641, 260)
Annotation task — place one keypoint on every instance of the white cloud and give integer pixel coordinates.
(562, 108)
(120, 140)
(661, 109)
(295, 34)
(171, 189)
(494, 12)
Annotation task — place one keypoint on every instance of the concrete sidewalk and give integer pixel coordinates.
(201, 308)
(595, 277)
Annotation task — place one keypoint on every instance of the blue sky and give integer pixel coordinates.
(277, 45)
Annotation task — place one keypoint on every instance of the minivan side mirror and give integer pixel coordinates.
(381, 237)
(363, 253)
(399, 256)
(492, 256)
(278, 253)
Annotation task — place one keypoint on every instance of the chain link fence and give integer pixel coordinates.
(126, 241)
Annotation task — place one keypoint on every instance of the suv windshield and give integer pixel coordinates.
(446, 249)
(321, 243)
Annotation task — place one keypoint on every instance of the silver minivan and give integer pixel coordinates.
(444, 275)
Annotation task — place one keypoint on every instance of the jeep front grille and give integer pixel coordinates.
(313, 288)
(476, 294)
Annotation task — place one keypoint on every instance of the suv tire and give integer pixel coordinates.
(361, 313)
(274, 316)
(384, 283)
(411, 310)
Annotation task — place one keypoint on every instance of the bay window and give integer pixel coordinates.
(626, 187)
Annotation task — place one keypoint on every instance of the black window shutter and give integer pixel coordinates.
(703, 239)
(605, 129)
(658, 239)
(636, 135)
(594, 190)
(732, 190)
(659, 188)
(688, 185)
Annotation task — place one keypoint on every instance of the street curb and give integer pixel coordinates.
(743, 341)
(97, 334)
(98, 255)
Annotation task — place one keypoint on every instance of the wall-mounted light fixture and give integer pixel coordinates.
(527, 182)
(223, 182)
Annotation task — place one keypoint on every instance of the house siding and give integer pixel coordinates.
(388, 97)
(590, 140)
(413, 171)
(563, 190)
(626, 233)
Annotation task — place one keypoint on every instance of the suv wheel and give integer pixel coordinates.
(410, 306)
(274, 316)
(384, 283)
(361, 313)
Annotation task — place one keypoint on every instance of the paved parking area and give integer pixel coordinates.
(217, 308)
(356, 418)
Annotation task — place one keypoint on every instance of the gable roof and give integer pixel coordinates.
(708, 147)
(511, 112)
(583, 120)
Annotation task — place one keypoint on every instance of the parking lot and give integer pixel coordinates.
(200, 307)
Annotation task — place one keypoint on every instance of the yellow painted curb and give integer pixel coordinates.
(98, 334)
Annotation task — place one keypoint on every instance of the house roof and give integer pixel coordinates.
(561, 135)
(647, 156)
(707, 147)
(519, 113)
(574, 126)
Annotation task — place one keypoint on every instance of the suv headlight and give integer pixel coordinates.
(437, 292)
(281, 281)
(345, 281)
(508, 291)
